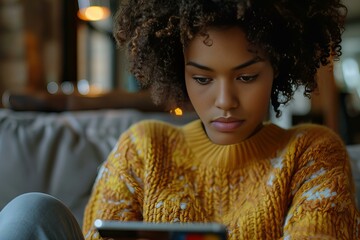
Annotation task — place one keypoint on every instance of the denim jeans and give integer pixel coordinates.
(38, 216)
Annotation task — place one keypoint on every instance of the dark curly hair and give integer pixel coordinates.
(297, 35)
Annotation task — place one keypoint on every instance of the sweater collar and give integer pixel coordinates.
(264, 144)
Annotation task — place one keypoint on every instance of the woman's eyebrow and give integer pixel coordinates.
(248, 63)
(243, 65)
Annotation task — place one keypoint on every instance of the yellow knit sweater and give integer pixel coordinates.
(278, 184)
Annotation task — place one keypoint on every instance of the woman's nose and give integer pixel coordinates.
(226, 96)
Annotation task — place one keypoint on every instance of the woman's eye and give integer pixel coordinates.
(202, 80)
(247, 78)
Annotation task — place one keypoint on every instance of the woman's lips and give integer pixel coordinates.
(227, 124)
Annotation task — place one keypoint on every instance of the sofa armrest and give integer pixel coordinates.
(354, 154)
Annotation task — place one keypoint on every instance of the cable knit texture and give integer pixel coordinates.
(278, 184)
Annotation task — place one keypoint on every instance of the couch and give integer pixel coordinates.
(59, 153)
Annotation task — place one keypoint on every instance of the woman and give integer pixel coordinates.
(230, 59)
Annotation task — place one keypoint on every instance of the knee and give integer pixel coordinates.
(32, 197)
(33, 204)
(38, 216)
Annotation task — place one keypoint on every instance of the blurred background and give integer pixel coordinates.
(54, 45)
(54, 49)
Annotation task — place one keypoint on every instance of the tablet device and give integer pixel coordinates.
(160, 231)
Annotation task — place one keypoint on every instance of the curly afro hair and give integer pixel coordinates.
(298, 37)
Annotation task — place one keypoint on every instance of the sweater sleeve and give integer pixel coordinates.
(118, 190)
(323, 205)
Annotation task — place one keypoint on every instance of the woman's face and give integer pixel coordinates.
(228, 85)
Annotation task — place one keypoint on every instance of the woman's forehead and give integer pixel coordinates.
(226, 40)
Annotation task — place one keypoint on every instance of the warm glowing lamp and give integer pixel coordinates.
(93, 10)
(177, 112)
